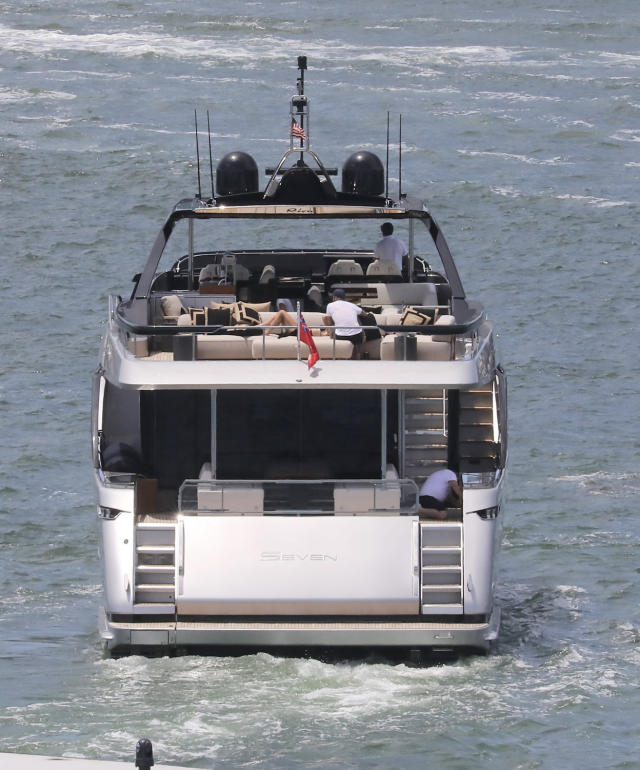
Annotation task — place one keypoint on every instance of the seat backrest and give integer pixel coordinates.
(268, 274)
(383, 267)
(345, 267)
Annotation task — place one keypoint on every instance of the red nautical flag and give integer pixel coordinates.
(306, 337)
(297, 130)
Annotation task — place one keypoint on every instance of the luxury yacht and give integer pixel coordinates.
(259, 484)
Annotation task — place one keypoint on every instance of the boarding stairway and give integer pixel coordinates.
(425, 432)
(155, 552)
(477, 448)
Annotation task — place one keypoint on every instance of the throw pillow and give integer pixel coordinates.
(219, 316)
(198, 316)
(413, 317)
(261, 307)
(245, 315)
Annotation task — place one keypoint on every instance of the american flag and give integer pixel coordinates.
(297, 130)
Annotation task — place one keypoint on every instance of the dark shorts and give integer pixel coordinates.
(356, 339)
(426, 501)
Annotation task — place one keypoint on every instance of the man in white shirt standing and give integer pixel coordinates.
(344, 316)
(390, 248)
(437, 492)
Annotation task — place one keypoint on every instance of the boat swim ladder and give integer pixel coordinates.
(155, 588)
(441, 567)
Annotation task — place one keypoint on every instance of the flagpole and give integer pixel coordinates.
(298, 326)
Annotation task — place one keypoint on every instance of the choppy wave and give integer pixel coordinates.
(520, 158)
(41, 42)
(20, 96)
(624, 484)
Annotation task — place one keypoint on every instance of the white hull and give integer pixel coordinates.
(248, 498)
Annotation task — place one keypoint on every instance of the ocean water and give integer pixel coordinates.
(521, 127)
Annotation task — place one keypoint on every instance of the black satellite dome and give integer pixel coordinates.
(237, 173)
(363, 173)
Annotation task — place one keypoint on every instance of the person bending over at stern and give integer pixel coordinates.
(438, 492)
(344, 316)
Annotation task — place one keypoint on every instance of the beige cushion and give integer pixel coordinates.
(345, 267)
(426, 349)
(444, 320)
(184, 320)
(223, 346)
(391, 319)
(248, 498)
(271, 346)
(352, 498)
(324, 346)
(261, 307)
(383, 267)
(287, 348)
(314, 319)
(172, 306)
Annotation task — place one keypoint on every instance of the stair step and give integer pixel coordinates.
(477, 449)
(417, 440)
(156, 525)
(154, 608)
(155, 548)
(424, 393)
(442, 609)
(154, 587)
(476, 401)
(424, 455)
(156, 568)
(476, 433)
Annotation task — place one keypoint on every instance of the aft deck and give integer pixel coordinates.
(412, 338)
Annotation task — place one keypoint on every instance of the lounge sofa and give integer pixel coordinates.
(428, 347)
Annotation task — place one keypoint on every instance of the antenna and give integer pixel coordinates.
(213, 194)
(386, 185)
(302, 66)
(300, 103)
(400, 162)
(195, 113)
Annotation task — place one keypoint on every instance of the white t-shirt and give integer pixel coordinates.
(391, 249)
(437, 485)
(344, 315)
